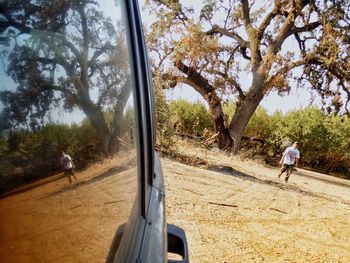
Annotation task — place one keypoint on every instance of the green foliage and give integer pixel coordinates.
(125, 121)
(259, 125)
(190, 118)
(27, 155)
(229, 109)
(86, 134)
(324, 140)
(164, 127)
(46, 142)
(275, 141)
(339, 141)
(307, 127)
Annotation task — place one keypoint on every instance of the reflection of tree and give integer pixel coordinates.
(64, 52)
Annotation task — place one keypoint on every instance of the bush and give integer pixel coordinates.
(324, 140)
(190, 118)
(259, 127)
(27, 156)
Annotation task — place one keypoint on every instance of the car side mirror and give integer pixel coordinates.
(177, 243)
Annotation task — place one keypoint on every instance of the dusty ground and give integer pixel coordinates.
(53, 221)
(254, 217)
(245, 215)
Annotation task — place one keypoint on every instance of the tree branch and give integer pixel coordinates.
(84, 26)
(306, 28)
(99, 53)
(6, 24)
(243, 44)
(284, 71)
(179, 13)
(232, 81)
(68, 44)
(5, 11)
(228, 13)
(287, 27)
(174, 80)
(330, 65)
(245, 15)
(244, 53)
(105, 92)
(225, 32)
(195, 77)
(267, 20)
(55, 61)
(161, 57)
(312, 59)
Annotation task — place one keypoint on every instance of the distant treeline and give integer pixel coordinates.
(29, 155)
(324, 139)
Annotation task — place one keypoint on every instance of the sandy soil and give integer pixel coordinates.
(54, 221)
(252, 216)
(244, 215)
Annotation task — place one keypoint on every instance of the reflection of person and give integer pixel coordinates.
(290, 158)
(67, 166)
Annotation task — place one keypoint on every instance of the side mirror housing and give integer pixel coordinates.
(177, 243)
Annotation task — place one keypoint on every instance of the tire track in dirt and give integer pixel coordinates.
(232, 219)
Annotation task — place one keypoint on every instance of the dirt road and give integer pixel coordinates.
(54, 221)
(245, 215)
(252, 216)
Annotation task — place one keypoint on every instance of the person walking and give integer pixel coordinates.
(289, 160)
(67, 166)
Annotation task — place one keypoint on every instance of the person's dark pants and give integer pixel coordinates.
(69, 173)
(286, 168)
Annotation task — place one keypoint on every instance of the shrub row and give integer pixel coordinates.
(324, 139)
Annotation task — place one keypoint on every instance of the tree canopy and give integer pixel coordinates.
(63, 53)
(243, 50)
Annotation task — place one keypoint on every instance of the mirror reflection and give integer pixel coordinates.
(68, 175)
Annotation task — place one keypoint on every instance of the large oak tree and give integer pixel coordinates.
(63, 53)
(247, 49)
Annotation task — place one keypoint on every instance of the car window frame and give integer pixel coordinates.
(143, 96)
(129, 239)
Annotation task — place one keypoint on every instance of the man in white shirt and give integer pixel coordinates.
(67, 166)
(290, 158)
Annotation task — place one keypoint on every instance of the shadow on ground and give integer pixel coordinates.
(31, 186)
(201, 163)
(110, 172)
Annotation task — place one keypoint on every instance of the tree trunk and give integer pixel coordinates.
(224, 138)
(220, 122)
(97, 120)
(203, 87)
(118, 117)
(228, 135)
(245, 110)
(116, 129)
